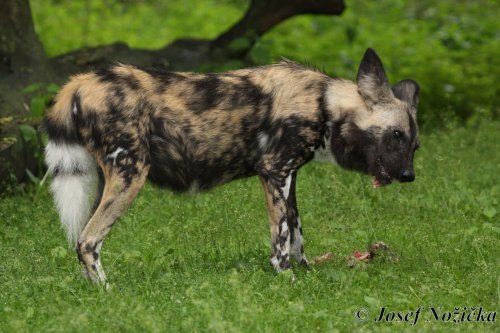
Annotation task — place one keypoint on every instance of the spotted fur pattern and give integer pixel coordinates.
(189, 132)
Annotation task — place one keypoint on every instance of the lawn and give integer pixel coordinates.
(200, 262)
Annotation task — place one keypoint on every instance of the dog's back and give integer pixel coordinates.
(196, 130)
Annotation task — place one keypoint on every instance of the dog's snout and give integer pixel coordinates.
(408, 175)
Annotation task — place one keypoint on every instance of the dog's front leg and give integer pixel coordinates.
(294, 225)
(277, 190)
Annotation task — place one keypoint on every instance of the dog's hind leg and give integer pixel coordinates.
(294, 225)
(276, 191)
(119, 191)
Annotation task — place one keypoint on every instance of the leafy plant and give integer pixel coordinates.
(41, 96)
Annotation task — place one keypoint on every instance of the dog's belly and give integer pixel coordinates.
(181, 167)
(194, 176)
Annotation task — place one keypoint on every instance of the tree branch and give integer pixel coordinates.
(262, 15)
(182, 54)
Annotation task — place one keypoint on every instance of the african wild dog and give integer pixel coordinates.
(191, 132)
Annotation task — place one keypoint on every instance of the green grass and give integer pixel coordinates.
(198, 263)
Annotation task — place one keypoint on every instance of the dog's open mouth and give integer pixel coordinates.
(381, 177)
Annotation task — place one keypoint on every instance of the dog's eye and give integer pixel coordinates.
(397, 134)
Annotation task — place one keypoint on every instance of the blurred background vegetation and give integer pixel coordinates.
(450, 47)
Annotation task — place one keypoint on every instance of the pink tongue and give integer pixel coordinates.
(376, 183)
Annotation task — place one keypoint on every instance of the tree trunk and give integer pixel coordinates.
(22, 57)
(22, 62)
(20, 48)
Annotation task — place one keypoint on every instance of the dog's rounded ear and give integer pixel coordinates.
(373, 84)
(407, 91)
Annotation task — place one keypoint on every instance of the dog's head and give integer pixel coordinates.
(379, 134)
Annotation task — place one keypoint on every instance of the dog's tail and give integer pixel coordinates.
(73, 169)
